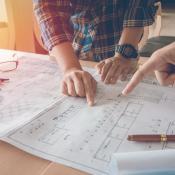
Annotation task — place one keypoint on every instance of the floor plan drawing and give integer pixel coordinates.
(36, 118)
(27, 93)
(72, 133)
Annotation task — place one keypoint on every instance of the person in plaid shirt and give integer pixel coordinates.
(93, 30)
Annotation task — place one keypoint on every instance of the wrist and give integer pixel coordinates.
(66, 57)
(126, 51)
(118, 56)
(71, 69)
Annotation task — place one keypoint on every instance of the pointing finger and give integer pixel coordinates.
(138, 76)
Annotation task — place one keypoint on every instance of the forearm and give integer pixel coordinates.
(131, 35)
(65, 56)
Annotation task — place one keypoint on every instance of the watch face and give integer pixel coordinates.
(128, 51)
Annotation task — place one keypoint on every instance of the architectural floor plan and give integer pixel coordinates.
(71, 133)
(38, 119)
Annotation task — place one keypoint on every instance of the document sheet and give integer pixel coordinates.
(33, 86)
(70, 132)
(35, 117)
(159, 162)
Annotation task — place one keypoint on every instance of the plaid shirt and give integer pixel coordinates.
(93, 26)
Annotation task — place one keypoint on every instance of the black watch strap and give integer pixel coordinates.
(128, 51)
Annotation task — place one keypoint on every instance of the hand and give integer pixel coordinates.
(159, 62)
(77, 82)
(115, 68)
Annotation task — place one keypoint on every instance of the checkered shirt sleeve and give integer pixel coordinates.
(53, 17)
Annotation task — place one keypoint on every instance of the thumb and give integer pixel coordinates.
(165, 79)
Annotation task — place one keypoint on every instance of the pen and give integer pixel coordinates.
(151, 138)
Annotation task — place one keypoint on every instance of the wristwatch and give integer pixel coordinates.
(127, 51)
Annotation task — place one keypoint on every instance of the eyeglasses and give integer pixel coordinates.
(7, 66)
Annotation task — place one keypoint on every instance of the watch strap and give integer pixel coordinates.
(128, 51)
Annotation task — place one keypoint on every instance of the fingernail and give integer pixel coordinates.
(112, 81)
(106, 81)
(90, 103)
(124, 92)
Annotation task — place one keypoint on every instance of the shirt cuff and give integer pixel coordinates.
(56, 40)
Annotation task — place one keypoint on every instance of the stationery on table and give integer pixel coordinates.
(7, 65)
(143, 163)
(152, 138)
(36, 118)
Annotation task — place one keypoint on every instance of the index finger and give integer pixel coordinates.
(148, 67)
(99, 66)
(89, 90)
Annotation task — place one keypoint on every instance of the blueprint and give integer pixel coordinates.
(72, 133)
(33, 86)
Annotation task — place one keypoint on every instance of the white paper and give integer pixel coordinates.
(33, 86)
(67, 130)
(143, 163)
(85, 137)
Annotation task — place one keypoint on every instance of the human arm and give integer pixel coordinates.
(53, 18)
(118, 67)
(138, 14)
(161, 61)
(76, 81)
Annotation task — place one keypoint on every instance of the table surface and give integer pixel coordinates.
(17, 162)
